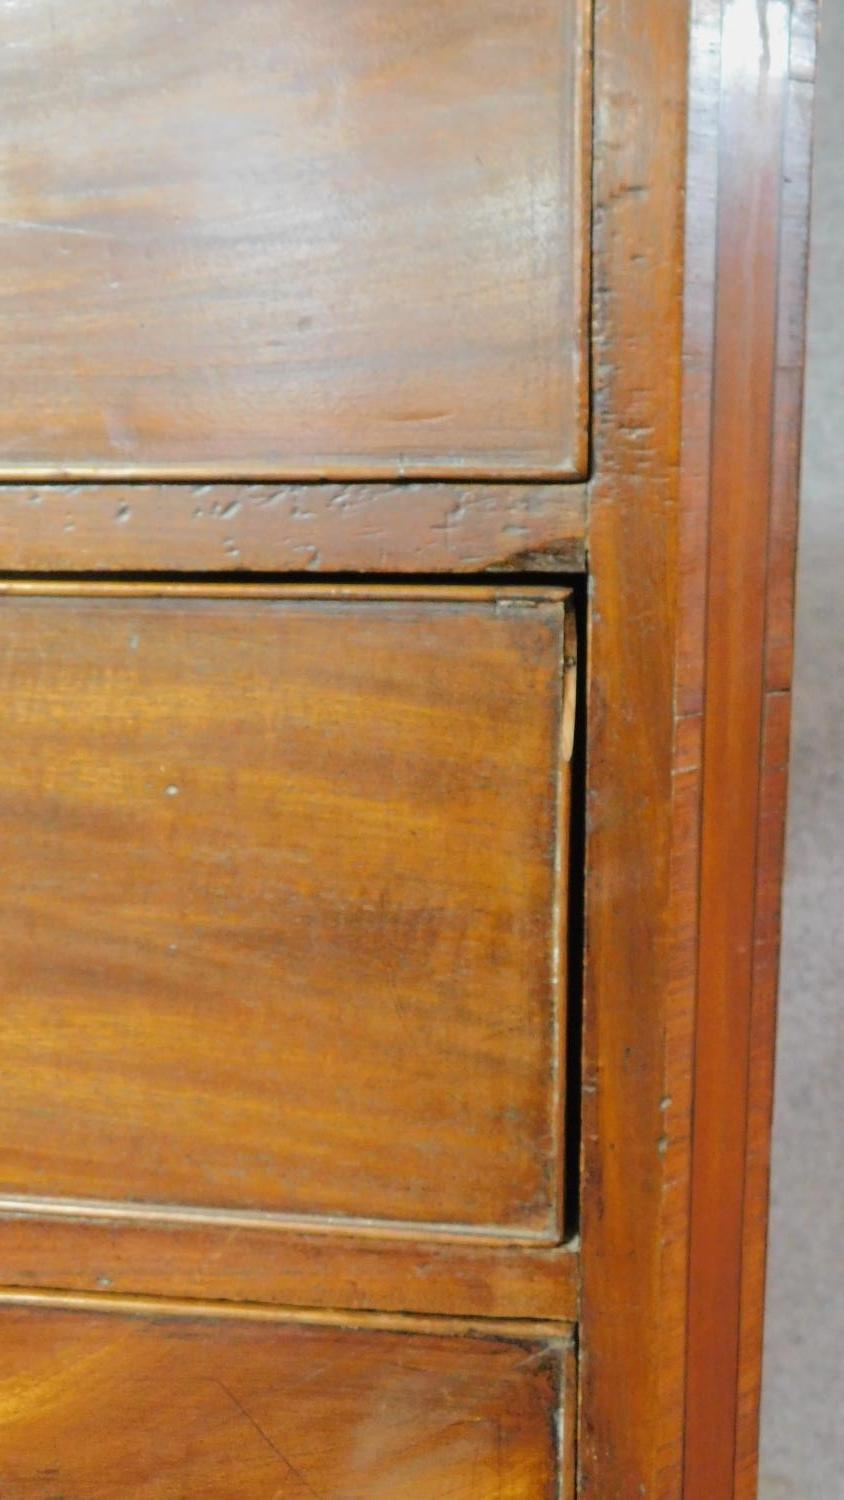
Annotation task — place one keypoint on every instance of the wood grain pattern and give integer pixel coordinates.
(697, 355)
(759, 296)
(180, 1257)
(230, 528)
(700, 296)
(295, 240)
(98, 1403)
(281, 904)
(691, 809)
(639, 986)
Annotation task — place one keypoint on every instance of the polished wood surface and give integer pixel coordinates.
(412, 748)
(285, 239)
(158, 1402)
(282, 903)
(174, 1255)
(754, 67)
(327, 528)
(672, 1284)
(765, 84)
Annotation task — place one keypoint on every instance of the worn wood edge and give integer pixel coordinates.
(248, 1265)
(317, 1317)
(584, 82)
(560, 958)
(279, 1224)
(329, 515)
(513, 595)
(699, 331)
(552, 467)
(699, 280)
(567, 1438)
(244, 1265)
(637, 992)
(254, 528)
(698, 343)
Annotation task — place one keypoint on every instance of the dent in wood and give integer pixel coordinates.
(303, 528)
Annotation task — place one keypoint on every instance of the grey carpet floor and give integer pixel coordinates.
(803, 1404)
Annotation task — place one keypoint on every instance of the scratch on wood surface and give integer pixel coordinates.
(274, 1448)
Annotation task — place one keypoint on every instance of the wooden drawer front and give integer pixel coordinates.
(99, 1404)
(294, 237)
(281, 904)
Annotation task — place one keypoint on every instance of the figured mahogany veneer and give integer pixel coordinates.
(276, 239)
(294, 1017)
(155, 1402)
(283, 903)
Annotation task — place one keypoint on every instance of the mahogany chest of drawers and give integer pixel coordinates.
(398, 467)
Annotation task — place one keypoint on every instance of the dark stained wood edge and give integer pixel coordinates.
(639, 896)
(249, 528)
(764, 77)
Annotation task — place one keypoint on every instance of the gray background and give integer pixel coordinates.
(803, 1403)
